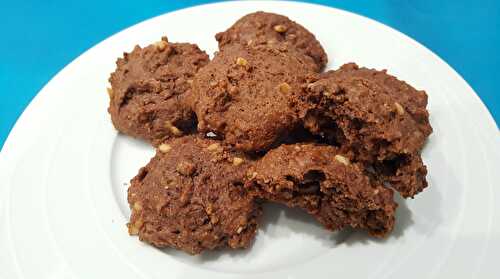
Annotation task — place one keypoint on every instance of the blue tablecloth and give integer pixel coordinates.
(38, 38)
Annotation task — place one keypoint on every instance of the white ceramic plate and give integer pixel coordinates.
(65, 172)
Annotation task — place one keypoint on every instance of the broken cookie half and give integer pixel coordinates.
(375, 119)
(323, 182)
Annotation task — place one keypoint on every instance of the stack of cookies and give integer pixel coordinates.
(261, 122)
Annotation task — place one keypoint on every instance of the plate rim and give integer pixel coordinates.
(13, 134)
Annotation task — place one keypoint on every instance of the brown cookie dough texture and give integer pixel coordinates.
(262, 27)
(322, 181)
(148, 88)
(375, 119)
(191, 197)
(249, 95)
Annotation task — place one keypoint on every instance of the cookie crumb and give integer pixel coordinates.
(342, 159)
(164, 147)
(240, 229)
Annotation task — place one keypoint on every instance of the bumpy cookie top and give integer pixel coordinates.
(262, 27)
(324, 182)
(148, 86)
(374, 110)
(375, 119)
(249, 95)
(190, 196)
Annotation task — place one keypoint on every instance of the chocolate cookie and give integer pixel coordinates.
(322, 181)
(249, 95)
(191, 197)
(148, 88)
(262, 27)
(376, 119)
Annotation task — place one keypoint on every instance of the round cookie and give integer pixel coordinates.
(322, 181)
(148, 90)
(376, 119)
(191, 197)
(249, 95)
(262, 27)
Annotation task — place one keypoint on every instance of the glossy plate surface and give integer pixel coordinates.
(65, 172)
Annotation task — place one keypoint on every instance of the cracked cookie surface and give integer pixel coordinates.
(262, 27)
(320, 180)
(148, 89)
(248, 95)
(191, 197)
(375, 119)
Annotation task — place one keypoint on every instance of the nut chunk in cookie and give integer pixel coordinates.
(191, 197)
(148, 89)
(248, 95)
(376, 119)
(262, 27)
(323, 182)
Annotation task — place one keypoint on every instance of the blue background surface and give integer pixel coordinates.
(38, 38)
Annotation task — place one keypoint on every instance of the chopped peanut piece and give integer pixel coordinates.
(164, 147)
(110, 92)
(241, 61)
(132, 230)
(342, 159)
(213, 147)
(237, 161)
(280, 28)
(174, 130)
(137, 206)
(399, 108)
(161, 45)
(284, 88)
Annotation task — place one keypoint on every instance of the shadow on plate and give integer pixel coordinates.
(280, 221)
